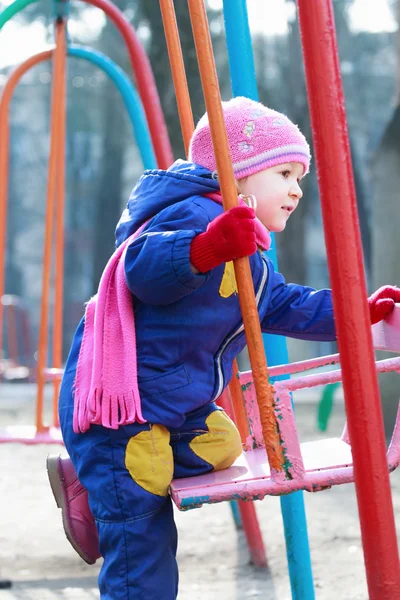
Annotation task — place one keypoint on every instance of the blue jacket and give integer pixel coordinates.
(189, 326)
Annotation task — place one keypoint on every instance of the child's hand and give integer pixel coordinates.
(229, 236)
(381, 302)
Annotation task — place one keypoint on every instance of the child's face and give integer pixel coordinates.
(277, 192)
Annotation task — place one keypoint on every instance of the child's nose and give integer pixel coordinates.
(296, 191)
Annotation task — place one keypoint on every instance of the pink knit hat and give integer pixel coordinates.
(258, 138)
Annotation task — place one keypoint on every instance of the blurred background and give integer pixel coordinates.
(103, 163)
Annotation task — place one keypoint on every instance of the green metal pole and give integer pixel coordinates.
(13, 9)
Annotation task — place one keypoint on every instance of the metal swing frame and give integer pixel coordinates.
(310, 466)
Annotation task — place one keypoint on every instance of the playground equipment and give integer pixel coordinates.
(311, 466)
(286, 466)
(140, 67)
(266, 420)
(41, 433)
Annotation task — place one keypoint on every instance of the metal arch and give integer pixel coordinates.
(140, 67)
(130, 97)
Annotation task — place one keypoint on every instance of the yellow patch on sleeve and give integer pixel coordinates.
(228, 284)
(221, 446)
(150, 461)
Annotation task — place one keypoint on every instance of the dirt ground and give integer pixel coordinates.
(213, 557)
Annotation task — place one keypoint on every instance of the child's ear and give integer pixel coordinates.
(239, 184)
(250, 200)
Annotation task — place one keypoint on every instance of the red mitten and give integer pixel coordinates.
(229, 236)
(381, 302)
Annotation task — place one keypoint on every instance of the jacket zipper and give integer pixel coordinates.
(229, 339)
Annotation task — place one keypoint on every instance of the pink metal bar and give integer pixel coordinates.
(304, 365)
(393, 453)
(28, 434)
(250, 477)
(299, 383)
(385, 335)
(257, 489)
(344, 251)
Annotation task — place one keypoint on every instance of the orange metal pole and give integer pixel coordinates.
(187, 126)
(244, 280)
(5, 101)
(239, 409)
(58, 74)
(60, 204)
(178, 70)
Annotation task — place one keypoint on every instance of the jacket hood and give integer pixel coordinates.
(157, 189)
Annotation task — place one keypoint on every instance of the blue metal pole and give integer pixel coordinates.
(129, 96)
(236, 514)
(242, 70)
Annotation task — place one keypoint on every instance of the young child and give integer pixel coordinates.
(155, 348)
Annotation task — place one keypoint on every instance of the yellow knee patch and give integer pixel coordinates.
(149, 460)
(221, 446)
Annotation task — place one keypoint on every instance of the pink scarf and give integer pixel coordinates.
(106, 389)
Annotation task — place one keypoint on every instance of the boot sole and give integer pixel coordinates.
(58, 493)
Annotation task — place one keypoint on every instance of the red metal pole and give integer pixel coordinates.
(247, 510)
(345, 261)
(145, 82)
(252, 531)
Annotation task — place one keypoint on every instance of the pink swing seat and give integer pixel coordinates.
(310, 466)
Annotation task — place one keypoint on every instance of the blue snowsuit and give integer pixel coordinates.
(188, 331)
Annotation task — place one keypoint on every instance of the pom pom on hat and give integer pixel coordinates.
(258, 138)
